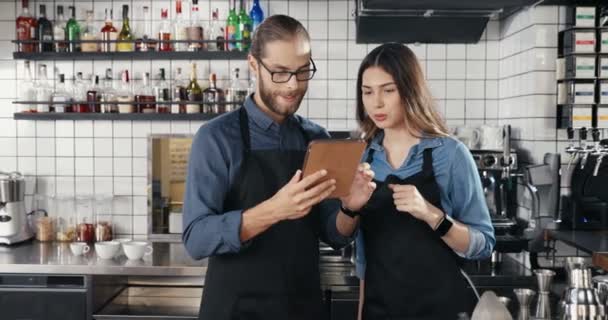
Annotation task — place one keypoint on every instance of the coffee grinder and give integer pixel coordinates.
(14, 226)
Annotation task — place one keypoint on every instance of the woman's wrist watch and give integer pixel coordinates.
(348, 212)
(444, 225)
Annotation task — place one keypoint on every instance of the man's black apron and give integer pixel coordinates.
(411, 273)
(276, 275)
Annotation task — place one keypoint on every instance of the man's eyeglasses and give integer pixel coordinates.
(285, 76)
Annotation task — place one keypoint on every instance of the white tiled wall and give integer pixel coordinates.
(496, 80)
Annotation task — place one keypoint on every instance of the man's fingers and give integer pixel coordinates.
(315, 200)
(296, 177)
(311, 179)
(312, 192)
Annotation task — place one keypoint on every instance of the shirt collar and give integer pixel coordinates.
(426, 142)
(259, 117)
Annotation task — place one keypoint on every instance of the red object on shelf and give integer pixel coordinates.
(26, 29)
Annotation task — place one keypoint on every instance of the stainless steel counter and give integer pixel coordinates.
(167, 259)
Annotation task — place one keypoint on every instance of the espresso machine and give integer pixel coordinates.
(14, 226)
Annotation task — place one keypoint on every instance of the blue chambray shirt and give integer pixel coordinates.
(462, 196)
(215, 159)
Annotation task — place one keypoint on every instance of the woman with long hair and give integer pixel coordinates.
(428, 211)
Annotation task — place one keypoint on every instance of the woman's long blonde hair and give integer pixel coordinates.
(421, 116)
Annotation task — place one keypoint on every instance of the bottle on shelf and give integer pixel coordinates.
(26, 28)
(61, 98)
(216, 32)
(27, 91)
(59, 31)
(94, 95)
(195, 94)
(79, 92)
(237, 92)
(72, 32)
(109, 33)
(244, 29)
(124, 96)
(44, 32)
(144, 96)
(89, 33)
(146, 42)
(179, 28)
(195, 29)
(232, 26)
(108, 94)
(256, 14)
(43, 90)
(125, 37)
(164, 32)
(161, 92)
(213, 97)
(179, 92)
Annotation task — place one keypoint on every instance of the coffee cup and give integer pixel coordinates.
(135, 250)
(107, 249)
(79, 248)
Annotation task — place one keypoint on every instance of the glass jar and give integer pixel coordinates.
(85, 230)
(65, 224)
(45, 230)
(104, 229)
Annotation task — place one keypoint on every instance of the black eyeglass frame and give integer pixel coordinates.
(291, 73)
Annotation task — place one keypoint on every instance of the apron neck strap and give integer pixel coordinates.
(427, 164)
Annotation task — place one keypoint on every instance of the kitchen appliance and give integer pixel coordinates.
(580, 300)
(14, 226)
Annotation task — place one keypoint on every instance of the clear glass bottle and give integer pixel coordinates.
(59, 31)
(144, 96)
(43, 90)
(89, 33)
(216, 32)
(179, 26)
(61, 98)
(79, 92)
(147, 41)
(27, 90)
(94, 95)
(108, 94)
(124, 95)
(213, 97)
(195, 29)
(26, 28)
(179, 92)
(164, 32)
(237, 92)
(44, 32)
(125, 37)
(72, 32)
(109, 33)
(161, 92)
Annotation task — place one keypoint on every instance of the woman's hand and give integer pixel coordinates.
(408, 199)
(361, 189)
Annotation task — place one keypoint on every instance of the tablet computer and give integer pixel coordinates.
(340, 157)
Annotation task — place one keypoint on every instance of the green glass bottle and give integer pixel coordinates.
(125, 34)
(244, 31)
(72, 32)
(232, 26)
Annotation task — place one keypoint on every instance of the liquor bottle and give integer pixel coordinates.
(72, 32)
(195, 94)
(108, 94)
(164, 31)
(59, 31)
(146, 42)
(144, 96)
(26, 28)
(89, 33)
(179, 92)
(195, 29)
(44, 32)
(256, 14)
(244, 30)
(216, 32)
(232, 26)
(94, 95)
(125, 37)
(124, 97)
(161, 92)
(43, 90)
(61, 97)
(180, 32)
(213, 97)
(237, 92)
(109, 33)
(79, 92)
(26, 90)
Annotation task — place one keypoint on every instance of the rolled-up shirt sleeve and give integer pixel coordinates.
(208, 230)
(469, 205)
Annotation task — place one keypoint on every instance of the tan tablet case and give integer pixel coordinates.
(340, 157)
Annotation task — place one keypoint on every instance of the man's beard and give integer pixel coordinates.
(270, 100)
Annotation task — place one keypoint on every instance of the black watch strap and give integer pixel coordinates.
(349, 212)
(444, 226)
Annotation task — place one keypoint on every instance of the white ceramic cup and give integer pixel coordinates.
(107, 249)
(79, 248)
(135, 250)
(470, 136)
